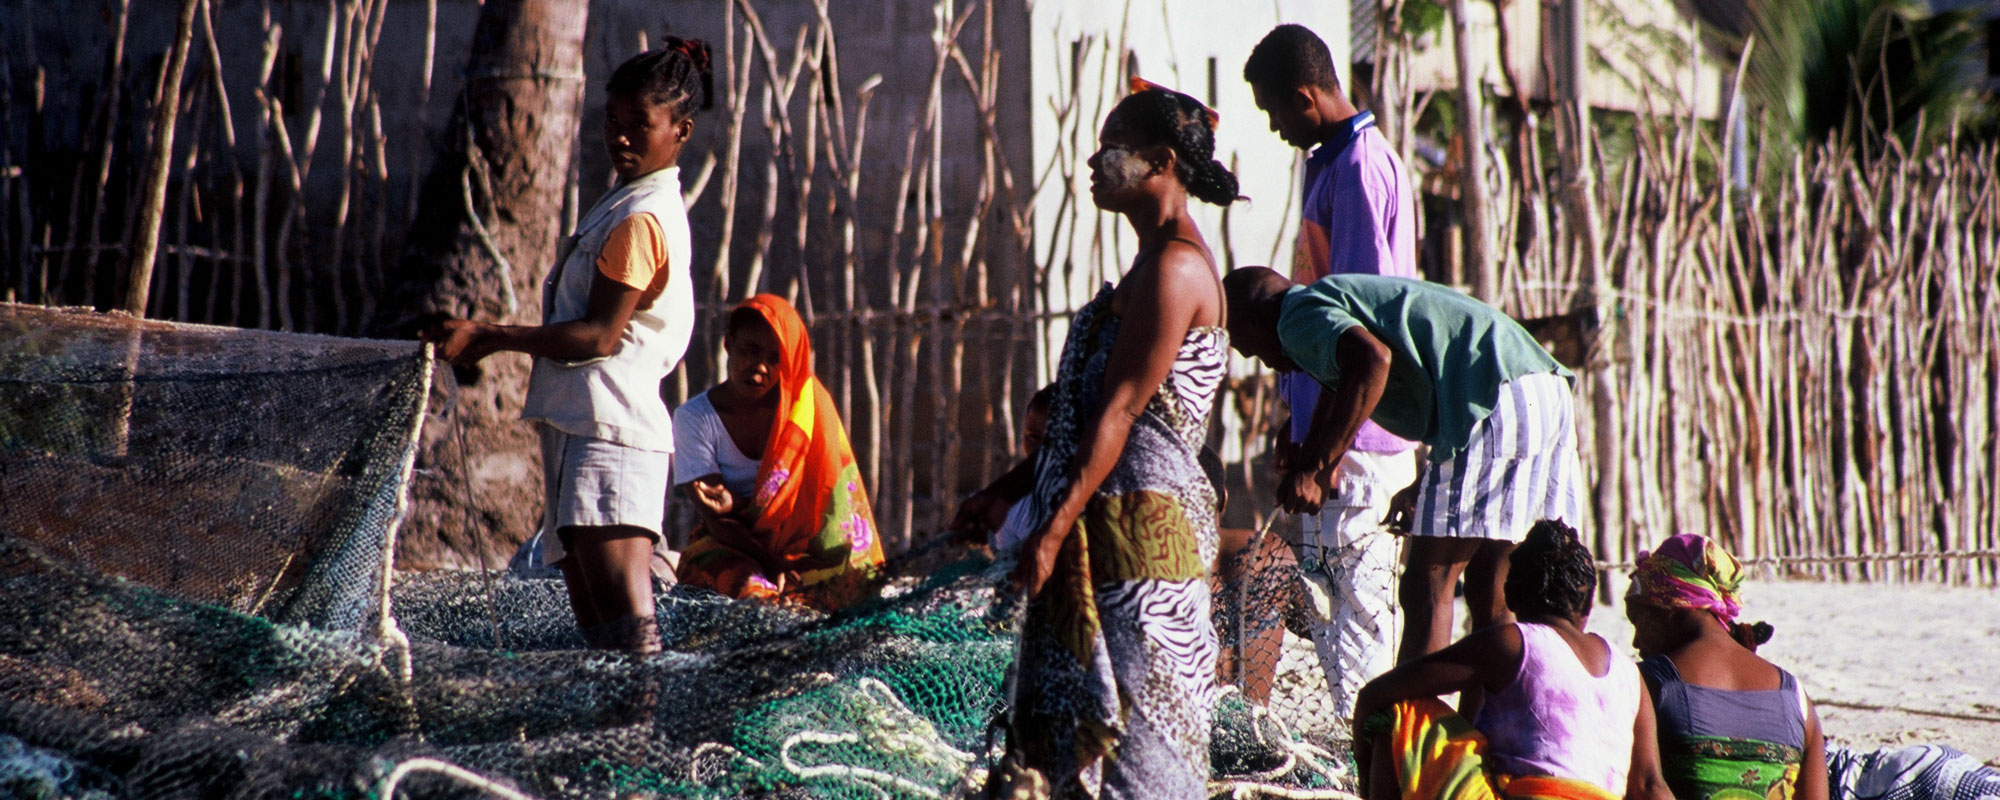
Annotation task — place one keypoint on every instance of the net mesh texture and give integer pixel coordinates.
(194, 544)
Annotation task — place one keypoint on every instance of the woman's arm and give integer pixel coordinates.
(1160, 304)
(1812, 770)
(596, 335)
(986, 509)
(1488, 659)
(1644, 780)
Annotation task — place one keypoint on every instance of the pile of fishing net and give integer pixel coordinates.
(200, 606)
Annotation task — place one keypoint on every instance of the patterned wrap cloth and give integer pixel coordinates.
(1114, 682)
(1917, 772)
(1689, 571)
(812, 516)
(1438, 755)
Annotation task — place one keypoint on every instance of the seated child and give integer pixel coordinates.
(765, 460)
(1564, 715)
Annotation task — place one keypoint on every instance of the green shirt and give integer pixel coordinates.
(1448, 352)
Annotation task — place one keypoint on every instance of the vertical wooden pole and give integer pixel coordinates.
(1473, 199)
(159, 164)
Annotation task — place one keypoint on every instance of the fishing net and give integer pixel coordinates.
(195, 611)
(255, 471)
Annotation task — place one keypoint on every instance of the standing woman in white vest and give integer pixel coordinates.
(617, 311)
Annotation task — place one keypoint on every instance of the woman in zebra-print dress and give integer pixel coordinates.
(1114, 682)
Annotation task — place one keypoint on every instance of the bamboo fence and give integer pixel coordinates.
(1804, 367)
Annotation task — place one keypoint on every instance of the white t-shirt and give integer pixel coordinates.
(702, 447)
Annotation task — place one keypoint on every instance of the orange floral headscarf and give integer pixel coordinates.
(811, 512)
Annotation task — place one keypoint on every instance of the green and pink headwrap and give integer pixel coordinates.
(1689, 571)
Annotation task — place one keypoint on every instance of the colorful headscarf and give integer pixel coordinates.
(1689, 571)
(812, 514)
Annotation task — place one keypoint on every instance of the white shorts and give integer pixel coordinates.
(592, 483)
(1520, 468)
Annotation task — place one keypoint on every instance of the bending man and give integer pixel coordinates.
(1429, 364)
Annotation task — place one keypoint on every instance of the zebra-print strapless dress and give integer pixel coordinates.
(1115, 680)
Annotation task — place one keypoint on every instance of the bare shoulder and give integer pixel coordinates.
(1180, 276)
(1185, 260)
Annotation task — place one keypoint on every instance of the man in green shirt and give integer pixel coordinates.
(1433, 365)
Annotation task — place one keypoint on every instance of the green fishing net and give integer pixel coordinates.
(193, 553)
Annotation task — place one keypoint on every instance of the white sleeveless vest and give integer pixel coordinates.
(617, 398)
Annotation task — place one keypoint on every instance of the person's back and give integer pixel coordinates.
(1729, 721)
(1562, 716)
(1450, 352)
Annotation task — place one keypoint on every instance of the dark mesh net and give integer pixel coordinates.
(192, 546)
(256, 471)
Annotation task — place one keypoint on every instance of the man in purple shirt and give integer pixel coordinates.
(1358, 219)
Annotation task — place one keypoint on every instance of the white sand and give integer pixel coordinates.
(1888, 664)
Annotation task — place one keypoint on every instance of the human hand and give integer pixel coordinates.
(1300, 492)
(982, 513)
(1283, 450)
(1281, 447)
(713, 498)
(1402, 510)
(1038, 558)
(459, 341)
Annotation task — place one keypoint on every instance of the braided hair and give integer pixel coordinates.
(1182, 122)
(677, 75)
(1551, 572)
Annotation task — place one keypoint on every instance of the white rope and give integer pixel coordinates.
(862, 775)
(1841, 558)
(386, 788)
(922, 743)
(892, 733)
(1296, 750)
(1811, 314)
(1247, 790)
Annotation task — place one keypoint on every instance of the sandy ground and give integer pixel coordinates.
(1888, 664)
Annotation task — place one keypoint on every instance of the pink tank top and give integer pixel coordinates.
(1557, 719)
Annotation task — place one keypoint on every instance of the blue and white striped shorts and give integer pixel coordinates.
(1520, 467)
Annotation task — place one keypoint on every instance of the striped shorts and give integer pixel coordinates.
(1520, 467)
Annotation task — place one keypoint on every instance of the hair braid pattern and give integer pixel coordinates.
(1181, 122)
(677, 75)
(1551, 572)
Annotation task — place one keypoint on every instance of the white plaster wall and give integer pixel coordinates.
(1079, 247)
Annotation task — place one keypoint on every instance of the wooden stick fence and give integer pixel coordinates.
(1803, 368)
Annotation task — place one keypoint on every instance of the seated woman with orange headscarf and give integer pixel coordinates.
(765, 460)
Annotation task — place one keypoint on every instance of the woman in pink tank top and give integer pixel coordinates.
(1564, 717)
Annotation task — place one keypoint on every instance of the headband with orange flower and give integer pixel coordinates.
(1139, 84)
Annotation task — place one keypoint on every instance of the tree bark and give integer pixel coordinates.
(485, 234)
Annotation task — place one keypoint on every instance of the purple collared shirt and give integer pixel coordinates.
(1358, 203)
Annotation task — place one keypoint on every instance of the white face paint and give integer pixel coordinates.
(1121, 168)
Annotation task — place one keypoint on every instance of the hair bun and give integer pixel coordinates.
(696, 50)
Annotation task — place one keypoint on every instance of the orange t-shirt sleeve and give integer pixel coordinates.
(635, 254)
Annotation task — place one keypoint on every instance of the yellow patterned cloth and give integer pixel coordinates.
(1438, 755)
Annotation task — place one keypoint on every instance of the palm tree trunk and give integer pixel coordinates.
(469, 255)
